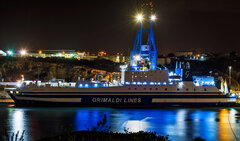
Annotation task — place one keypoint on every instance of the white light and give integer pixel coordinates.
(19, 82)
(137, 57)
(23, 52)
(180, 85)
(139, 17)
(127, 83)
(144, 83)
(139, 83)
(171, 74)
(153, 17)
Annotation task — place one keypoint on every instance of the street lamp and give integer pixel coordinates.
(23, 52)
(230, 75)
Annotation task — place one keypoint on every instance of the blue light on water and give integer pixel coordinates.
(180, 124)
(134, 83)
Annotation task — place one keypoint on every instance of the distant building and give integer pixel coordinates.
(52, 53)
(102, 53)
(184, 53)
(118, 58)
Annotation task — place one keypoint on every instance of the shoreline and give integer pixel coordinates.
(6, 101)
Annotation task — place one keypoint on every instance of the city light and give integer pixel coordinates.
(9, 52)
(139, 17)
(39, 52)
(153, 17)
(23, 52)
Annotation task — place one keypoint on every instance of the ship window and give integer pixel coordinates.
(165, 89)
(187, 89)
(150, 88)
(194, 89)
(205, 89)
(129, 88)
(144, 88)
(177, 89)
(156, 88)
(135, 88)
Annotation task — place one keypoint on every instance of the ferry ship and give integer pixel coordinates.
(142, 84)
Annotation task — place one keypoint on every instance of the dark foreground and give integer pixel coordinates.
(102, 136)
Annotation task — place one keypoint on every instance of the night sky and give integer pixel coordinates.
(109, 25)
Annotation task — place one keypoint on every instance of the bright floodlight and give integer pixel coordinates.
(139, 17)
(153, 17)
(23, 52)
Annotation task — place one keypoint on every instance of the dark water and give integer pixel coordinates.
(181, 124)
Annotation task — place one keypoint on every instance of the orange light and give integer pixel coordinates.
(63, 52)
(40, 52)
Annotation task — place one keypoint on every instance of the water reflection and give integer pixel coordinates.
(136, 125)
(228, 124)
(17, 118)
(179, 124)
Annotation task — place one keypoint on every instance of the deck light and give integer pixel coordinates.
(127, 83)
(144, 83)
(80, 85)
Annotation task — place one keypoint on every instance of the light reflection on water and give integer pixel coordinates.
(179, 124)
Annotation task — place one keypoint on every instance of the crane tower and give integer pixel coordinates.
(144, 56)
